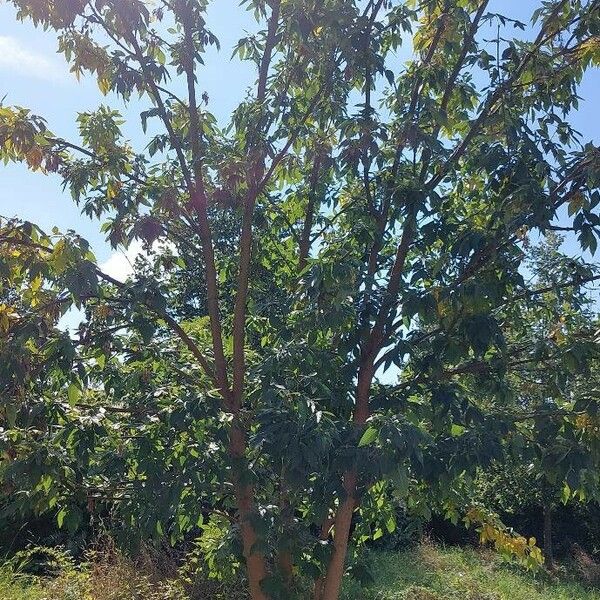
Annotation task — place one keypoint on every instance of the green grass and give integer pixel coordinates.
(13, 588)
(435, 573)
(425, 573)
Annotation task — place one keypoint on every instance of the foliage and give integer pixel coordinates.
(106, 576)
(41, 573)
(356, 221)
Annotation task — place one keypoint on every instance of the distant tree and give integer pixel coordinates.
(553, 453)
(354, 214)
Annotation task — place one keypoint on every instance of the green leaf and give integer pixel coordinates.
(60, 517)
(73, 393)
(457, 430)
(368, 437)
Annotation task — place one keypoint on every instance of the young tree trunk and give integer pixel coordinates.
(255, 559)
(548, 550)
(286, 568)
(343, 517)
(343, 522)
(284, 557)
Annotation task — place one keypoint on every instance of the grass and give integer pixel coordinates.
(12, 588)
(426, 573)
(434, 573)
(64, 587)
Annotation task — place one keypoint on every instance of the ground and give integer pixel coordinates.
(427, 572)
(435, 573)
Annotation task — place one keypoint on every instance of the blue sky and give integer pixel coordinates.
(33, 75)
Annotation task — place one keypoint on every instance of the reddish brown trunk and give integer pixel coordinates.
(239, 313)
(343, 521)
(363, 391)
(286, 566)
(255, 560)
(366, 372)
(343, 518)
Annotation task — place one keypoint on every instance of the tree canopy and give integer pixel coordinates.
(336, 313)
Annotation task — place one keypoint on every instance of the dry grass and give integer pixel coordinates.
(106, 574)
(427, 572)
(587, 568)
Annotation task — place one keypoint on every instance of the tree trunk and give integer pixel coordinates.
(341, 535)
(255, 560)
(343, 517)
(323, 537)
(548, 550)
(284, 557)
(286, 567)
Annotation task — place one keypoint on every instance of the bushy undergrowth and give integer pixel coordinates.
(426, 572)
(42, 573)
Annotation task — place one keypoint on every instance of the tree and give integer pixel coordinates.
(354, 214)
(554, 391)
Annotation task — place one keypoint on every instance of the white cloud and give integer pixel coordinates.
(119, 264)
(16, 58)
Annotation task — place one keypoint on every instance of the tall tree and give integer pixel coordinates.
(355, 214)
